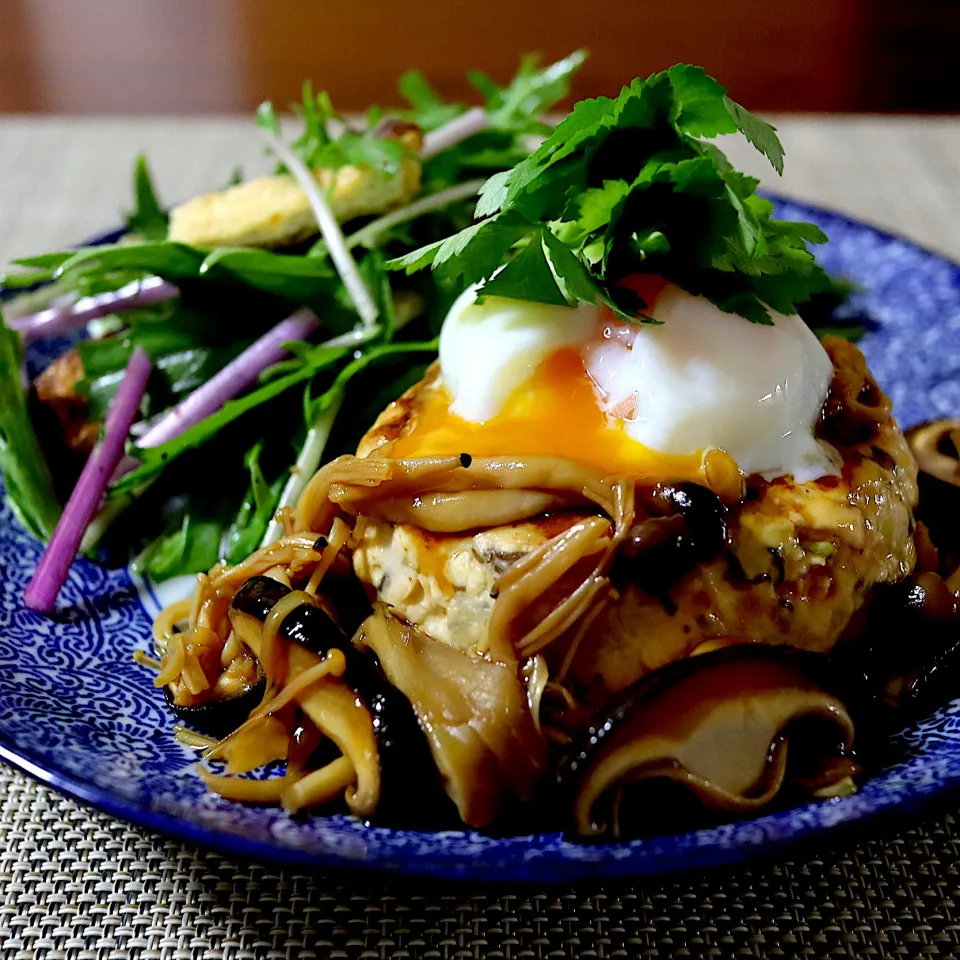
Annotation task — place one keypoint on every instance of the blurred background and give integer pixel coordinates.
(220, 56)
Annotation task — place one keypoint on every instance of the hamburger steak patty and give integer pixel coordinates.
(799, 563)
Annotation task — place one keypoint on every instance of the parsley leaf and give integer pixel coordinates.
(698, 103)
(633, 185)
(760, 133)
(526, 277)
(416, 259)
(492, 194)
(574, 278)
(474, 253)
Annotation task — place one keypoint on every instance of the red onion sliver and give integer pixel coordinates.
(232, 380)
(58, 320)
(51, 572)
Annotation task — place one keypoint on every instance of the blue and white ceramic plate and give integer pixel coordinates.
(78, 714)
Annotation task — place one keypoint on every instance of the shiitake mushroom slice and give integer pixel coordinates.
(717, 724)
(687, 526)
(609, 718)
(218, 718)
(935, 447)
(909, 642)
(411, 792)
(308, 625)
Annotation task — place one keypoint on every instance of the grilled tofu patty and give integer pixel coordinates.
(799, 563)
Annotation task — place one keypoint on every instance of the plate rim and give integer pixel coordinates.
(451, 865)
(441, 863)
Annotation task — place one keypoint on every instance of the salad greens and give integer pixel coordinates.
(516, 108)
(201, 540)
(210, 492)
(25, 472)
(634, 185)
(319, 146)
(87, 495)
(622, 186)
(147, 219)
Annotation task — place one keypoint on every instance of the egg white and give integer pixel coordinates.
(489, 349)
(701, 379)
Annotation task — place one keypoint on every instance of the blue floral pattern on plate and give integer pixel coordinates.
(77, 713)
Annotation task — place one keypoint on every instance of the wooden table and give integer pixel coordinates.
(63, 179)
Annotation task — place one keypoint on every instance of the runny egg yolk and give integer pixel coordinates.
(668, 401)
(554, 413)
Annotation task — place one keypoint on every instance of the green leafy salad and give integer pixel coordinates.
(233, 344)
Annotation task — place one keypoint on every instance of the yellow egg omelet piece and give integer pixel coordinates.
(274, 211)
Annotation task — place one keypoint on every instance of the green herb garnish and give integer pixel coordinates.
(635, 185)
(230, 296)
(318, 146)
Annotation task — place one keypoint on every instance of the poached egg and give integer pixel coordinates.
(642, 400)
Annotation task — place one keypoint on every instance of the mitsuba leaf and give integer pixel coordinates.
(267, 118)
(148, 219)
(532, 91)
(172, 261)
(486, 86)
(259, 281)
(428, 109)
(378, 283)
(315, 111)
(515, 108)
(352, 148)
(514, 112)
(153, 460)
(25, 473)
(319, 148)
(187, 346)
(305, 280)
(194, 546)
(244, 534)
(315, 406)
(44, 261)
(24, 280)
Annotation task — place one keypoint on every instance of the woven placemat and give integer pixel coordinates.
(76, 884)
(80, 885)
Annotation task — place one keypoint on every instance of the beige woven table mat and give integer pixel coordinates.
(77, 884)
